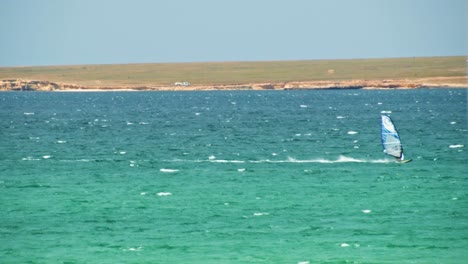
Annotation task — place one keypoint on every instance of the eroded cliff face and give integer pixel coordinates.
(34, 85)
(28, 85)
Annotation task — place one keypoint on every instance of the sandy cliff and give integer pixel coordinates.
(35, 85)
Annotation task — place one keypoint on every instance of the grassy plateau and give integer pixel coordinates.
(228, 73)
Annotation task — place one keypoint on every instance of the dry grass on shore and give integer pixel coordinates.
(229, 73)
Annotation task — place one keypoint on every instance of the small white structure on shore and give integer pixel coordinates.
(181, 84)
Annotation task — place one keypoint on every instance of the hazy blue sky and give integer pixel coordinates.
(56, 32)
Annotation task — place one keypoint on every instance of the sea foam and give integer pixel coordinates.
(227, 161)
(340, 159)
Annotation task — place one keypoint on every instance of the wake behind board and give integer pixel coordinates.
(391, 140)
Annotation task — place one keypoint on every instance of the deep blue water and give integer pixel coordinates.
(232, 177)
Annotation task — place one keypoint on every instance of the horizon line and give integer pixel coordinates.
(229, 61)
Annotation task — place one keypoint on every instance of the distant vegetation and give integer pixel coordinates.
(225, 73)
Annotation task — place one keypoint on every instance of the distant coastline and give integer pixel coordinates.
(434, 82)
(388, 73)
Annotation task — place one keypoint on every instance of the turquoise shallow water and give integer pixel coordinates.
(232, 177)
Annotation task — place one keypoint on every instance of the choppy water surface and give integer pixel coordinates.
(232, 177)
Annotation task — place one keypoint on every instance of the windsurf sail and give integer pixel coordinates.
(390, 139)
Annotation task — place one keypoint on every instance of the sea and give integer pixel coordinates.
(233, 177)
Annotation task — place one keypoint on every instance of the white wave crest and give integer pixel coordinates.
(456, 146)
(29, 158)
(133, 249)
(260, 214)
(168, 170)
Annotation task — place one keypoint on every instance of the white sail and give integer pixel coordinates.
(390, 138)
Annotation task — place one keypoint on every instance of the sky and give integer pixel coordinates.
(74, 32)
